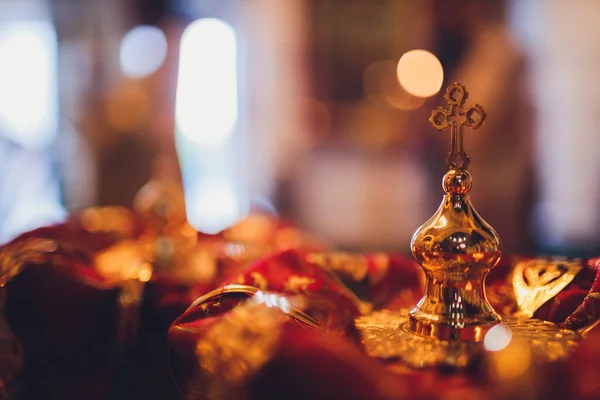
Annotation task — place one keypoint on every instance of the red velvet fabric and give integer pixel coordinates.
(318, 365)
(66, 316)
(308, 363)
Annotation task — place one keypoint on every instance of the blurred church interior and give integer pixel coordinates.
(295, 108)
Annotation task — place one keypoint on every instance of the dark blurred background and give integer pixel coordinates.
(295, 107)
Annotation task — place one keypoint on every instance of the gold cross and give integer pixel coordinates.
(441, 118)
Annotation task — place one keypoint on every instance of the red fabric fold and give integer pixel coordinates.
(588, 311)
(325, 298)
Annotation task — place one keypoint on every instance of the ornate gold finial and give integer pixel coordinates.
(442, 119)
(456, 247)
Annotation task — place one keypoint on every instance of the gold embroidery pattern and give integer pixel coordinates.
(294, 312)
(344, 265)
(259, 281)
(537, 281)
(235, 348)
(385, 335)
(298, 284)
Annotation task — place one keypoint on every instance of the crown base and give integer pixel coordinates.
(471, 329)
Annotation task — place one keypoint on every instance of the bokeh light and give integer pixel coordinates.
(213, 205)
(206, 116)
(143, 51)
(28, 82)
(497, 338)
(420, 73)
(207, 102)
(510, 363)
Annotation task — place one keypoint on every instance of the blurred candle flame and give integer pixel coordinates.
(420, 73)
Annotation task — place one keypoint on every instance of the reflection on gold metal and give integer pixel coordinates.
(456, 255)
(382, 339)
(454, 324)
(250, 291)
(456, 247)
(539, 280)
(217, 293)
(442, 119)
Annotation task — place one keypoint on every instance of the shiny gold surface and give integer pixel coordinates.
(539, 280)
(385, 335)
(456, 247)
(454, 324)
(250, 291)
